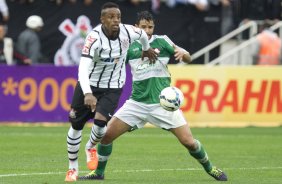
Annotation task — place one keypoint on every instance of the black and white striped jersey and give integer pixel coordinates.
(102, 62)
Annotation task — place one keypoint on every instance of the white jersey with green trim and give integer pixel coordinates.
(150, 79)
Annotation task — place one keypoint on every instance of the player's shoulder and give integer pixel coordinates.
(130, 28)
(97, 28)
(96, 31)
(163, 38)
(160, 36)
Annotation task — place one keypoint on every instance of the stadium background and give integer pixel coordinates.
(214, 96)
(34, 98)
(219, 96)
(189, 32)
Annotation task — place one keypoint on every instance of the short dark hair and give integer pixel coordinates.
(109, 5)
(144, 15)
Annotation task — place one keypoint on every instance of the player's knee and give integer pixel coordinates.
(190, 144)
(100, 123)
(76, 122)
(78, 117)
(194, 145)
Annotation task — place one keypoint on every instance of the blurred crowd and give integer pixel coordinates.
(58, 2)
(26, 49)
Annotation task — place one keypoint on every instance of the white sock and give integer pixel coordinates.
(73, 165)
(73, 144)
(97, 134)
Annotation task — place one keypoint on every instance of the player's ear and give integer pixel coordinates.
(136, 25)
(102, 19)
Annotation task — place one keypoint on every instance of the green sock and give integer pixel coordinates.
(104, 152)
(201, 155)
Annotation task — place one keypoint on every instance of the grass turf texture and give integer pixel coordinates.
(248, 155)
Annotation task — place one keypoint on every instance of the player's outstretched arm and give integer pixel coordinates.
(181, 54)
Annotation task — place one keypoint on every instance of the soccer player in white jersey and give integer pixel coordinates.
(143, 106)
(101, 76)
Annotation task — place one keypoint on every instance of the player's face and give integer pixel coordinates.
(147, 26)
(110, 19)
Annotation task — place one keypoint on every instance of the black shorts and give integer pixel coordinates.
(107, 102)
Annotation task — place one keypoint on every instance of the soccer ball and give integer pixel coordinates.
(171, 98)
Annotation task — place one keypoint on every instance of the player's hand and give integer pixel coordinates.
(180, 53)
(90, 101)
(151, 54)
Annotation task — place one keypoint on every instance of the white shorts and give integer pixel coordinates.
(137, 114)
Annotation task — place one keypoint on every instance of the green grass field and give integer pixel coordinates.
(153, 156)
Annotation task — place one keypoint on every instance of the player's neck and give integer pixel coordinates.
(112, 35)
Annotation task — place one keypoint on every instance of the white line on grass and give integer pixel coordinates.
(141, 170)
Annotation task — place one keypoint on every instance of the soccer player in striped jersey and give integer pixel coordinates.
(143, 106)
(101, 76)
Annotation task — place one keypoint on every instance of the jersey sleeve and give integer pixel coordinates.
(138, 34)
(168, 44)
(84, 64)
(90, 44)
(87, 54)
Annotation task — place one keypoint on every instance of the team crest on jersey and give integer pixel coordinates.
(70, 51)
(125, 43)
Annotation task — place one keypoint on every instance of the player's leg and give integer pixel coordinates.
(98, 130)
(175, 122)
(130, 115)
(115, 128)
(184, 135)
(78, 115)
(196, 150)
(107, 102)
